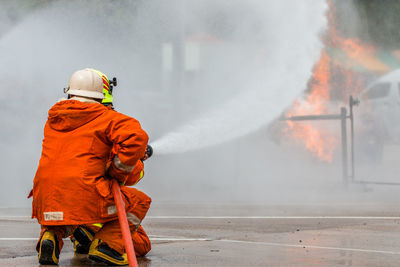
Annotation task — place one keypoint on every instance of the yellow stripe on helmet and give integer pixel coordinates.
(108, 98)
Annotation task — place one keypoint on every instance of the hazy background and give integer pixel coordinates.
(204, 78)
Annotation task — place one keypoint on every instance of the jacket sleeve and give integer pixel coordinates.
(136, 175)
(130, 141)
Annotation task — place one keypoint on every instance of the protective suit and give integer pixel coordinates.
(110, 232)
(71, 186)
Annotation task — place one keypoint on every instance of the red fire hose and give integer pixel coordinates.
(123, 221)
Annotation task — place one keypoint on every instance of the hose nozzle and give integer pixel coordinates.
(149, 151)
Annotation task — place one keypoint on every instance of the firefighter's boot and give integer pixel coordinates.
(83, 238)
(101, 252)
(49, 251)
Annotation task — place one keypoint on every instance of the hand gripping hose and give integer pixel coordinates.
(123, 222)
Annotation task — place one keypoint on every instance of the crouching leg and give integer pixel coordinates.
(108, 245)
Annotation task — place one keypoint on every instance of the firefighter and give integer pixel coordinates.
(86, 145)
(83, 236)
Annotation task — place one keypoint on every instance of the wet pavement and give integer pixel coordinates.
(201, 235)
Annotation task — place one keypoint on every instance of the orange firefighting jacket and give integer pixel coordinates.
(71, 185)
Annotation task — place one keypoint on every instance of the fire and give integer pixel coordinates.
(329, 74)
(320, 142)
(320, 85)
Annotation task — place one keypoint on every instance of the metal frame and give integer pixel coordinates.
(342, 117)
(345, 160)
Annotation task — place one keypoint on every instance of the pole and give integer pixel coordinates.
(313, 117)
(351, 104)
(343, 113)
(123, 221)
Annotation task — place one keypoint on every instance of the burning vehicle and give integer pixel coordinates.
(379, 115)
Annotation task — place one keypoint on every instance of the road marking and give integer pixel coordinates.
(278, 217)
(179, 239)
(171, 238)
(310, 247)
(17, 238)
(152, 238)
(12, 218)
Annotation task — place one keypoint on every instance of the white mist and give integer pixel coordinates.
(289, 32)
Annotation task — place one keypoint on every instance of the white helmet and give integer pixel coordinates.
(86, 83)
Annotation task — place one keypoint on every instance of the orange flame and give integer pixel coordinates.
(320, 141)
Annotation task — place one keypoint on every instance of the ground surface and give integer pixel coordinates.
(210, 235)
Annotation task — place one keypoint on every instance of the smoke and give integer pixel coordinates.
(288, 33)
(194, 73)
